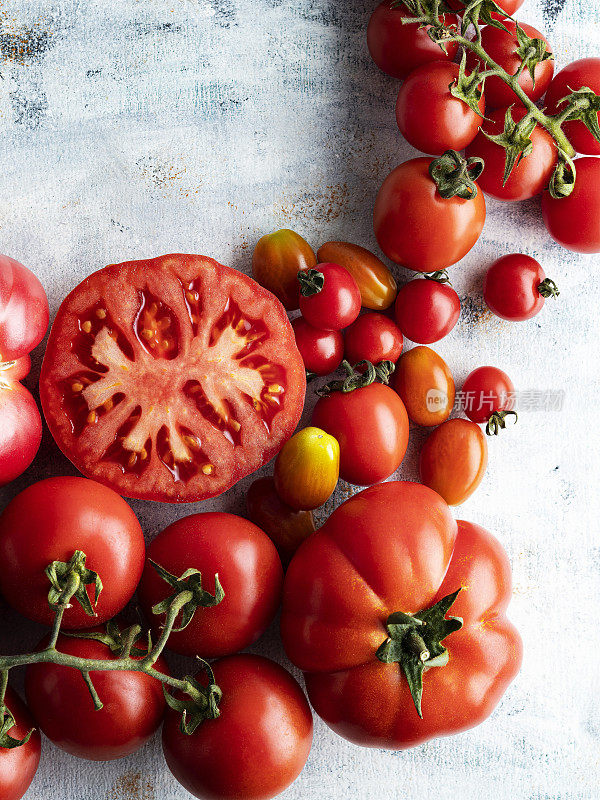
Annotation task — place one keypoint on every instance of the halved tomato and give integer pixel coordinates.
(172, 378)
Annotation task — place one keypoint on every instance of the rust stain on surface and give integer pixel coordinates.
(132, 786)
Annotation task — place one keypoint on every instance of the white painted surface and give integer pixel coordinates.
(135, 128)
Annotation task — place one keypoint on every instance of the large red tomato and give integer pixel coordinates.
(574, 221)
(23, 310)
(170, 379)
(52, 519)
(18, 765)
(249, 571)
(20, 421)
(585, 72)
(400, 551)
(258, 744)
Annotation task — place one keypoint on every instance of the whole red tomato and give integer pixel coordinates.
(52, 519)
(429, 116)
(530, 176)
(585, 72)
(419, 229)
(60, 701)
(487, 391)
(23, 310)
(20, 421)
(329, 297)
(574, 221)
(397, 48)
(170, 379)
(401, 552)
(322, 351)
(248, 569)
(502, 46)
(18, 765)
(373, 337)
(258, 744)
(516, 287)
(426, 310)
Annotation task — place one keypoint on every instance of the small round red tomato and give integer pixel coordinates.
(502, 46)
(286, 527)
(429, 116)
(20, 422)
(516, 287)
(426, 386)
(419, 229)
(329, 297)
(487, 391)
(530, 176)
(62, 706)
(249, 571)
(322, 351)
(371, 426)
(454, 459)
(426, 310)
(18, 765)
(585, 72)
(258, 744)
(52, 519)
(373, 337)
(574, 221)
(23, 310)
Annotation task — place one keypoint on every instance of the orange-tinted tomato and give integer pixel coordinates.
(376, 283)
(426, 386)
(277, 259)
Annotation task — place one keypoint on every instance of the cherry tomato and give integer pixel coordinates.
(396, 48)
(329, 297)
(286, 528)
(20, 421)
(585, 72)
(276, 261)
(307, 469)
(133, 703)
(170, 379)
(19, 764)
(416, 227)
(371, 426)
(574, 221)
(454, 459)
(509, 6)
(487, 391)
(426, 310)
(516, 287)
(48, 522)
(23, 310)
(530, 176)
(374, 338)
(249, 571)
(502, 47)
(429, 116)
(375, 282)
(322, 351)
(426, 386)
(259, 743)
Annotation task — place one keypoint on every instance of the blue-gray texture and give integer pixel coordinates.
(132, 128)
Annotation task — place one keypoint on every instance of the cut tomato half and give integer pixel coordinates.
(170, 379)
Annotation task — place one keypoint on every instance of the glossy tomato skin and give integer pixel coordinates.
(584, 72)
(511, 287)
(23, 310)
(249, 571)
(322, 351)
(375, 281)
(337, 304)
(502, 46)
(48, 522)
(172, 378)
(256, 747)
(428, 115)
(398, 547)
(454, 459)
(425, 384)
(286, 527)
(371, 426)
(509, 6)
(426, 310)
(20, 429)
(134, 704)
(19, 765)
(307, 469)
(486, 391)
(529, 177)
(396, 48)
(373, 337)
(574, 221)
(416, 227)
(276, 261)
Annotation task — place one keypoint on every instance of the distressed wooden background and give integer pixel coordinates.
(132, 128)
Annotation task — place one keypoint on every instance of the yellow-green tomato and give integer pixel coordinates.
(307, 469)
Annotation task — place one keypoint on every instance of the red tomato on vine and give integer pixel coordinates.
(584, 72)
(574, 221)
